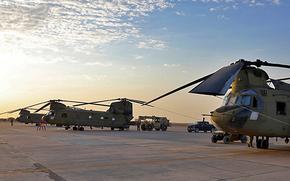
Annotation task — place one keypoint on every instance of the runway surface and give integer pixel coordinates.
(56, 154)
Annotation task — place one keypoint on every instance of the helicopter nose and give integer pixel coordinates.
(231, 119)
(218, 118)
(17, 119)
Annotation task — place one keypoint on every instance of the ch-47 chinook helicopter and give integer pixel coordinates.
(252, 107)
(25, 116)
(119, 114)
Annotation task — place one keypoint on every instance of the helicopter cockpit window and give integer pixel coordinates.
(244, 100)
(229, 100)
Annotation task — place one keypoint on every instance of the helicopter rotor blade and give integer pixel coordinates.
(13, 111)
(42, 107)
(180, 88)
(260, 63)
(282, 79)
(220, 81)
(139, 102)
(34, 109)
(95, 103)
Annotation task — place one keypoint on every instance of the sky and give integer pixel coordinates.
(95, 49)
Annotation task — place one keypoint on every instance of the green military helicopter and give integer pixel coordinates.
(25, 116)
(118, 116)
(252, 107)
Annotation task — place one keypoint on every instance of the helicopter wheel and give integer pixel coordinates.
(259, 143)
(265, 144)
(81, 128)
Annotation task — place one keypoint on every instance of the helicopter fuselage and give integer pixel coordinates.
(263, 113)
(27, 117)
(254, 108)
(118, 116)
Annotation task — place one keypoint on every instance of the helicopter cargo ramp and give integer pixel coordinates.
(56, 154)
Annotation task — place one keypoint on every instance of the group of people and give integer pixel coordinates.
(41, 126)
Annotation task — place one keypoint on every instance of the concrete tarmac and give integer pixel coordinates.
(56, 154)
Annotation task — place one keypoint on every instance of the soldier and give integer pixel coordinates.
(138, 123)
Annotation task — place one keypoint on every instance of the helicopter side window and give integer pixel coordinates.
(244, 100)
(281, 108)
(255, 102)
(51, 113)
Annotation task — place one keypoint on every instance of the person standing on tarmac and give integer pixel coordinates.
(138, 124)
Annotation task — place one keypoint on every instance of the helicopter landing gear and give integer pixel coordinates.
(262, 143)
(286, 140)
(81, 128)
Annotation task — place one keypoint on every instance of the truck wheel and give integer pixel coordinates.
(196, 130)
(149, 127)
(143, 127)
(157, 129)
(214, 139)
(164, 128)
(189, 130)
(226, 140)
(112, 129)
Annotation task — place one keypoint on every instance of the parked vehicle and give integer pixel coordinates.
(204, 126)
(227, 138)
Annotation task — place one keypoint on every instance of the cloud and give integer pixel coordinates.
(178, 13)
(152, 44)
(171, 65)
(79, 24)
(223, 5)
(139, 57)
(96, 63)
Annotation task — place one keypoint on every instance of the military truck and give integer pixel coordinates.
(227, 138)
(204, 126)
(148, 123)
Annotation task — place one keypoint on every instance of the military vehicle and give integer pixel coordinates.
(204, 126)
(227, 138)
(119, 114)
(148, 123)
(25, 116)
(252, 107)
